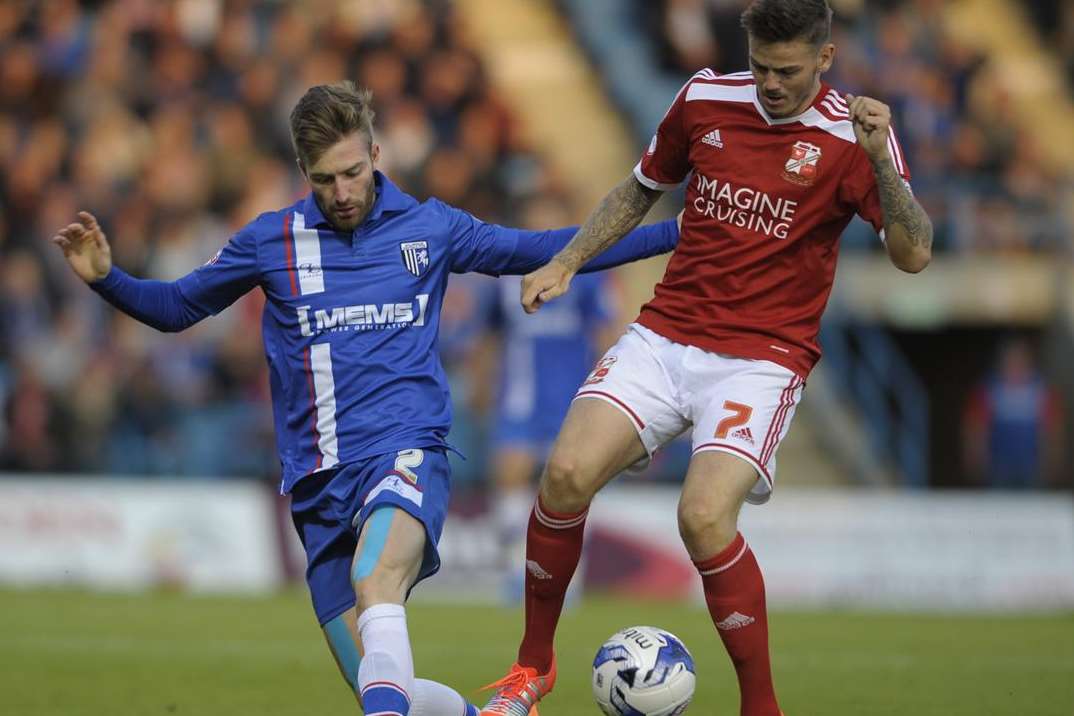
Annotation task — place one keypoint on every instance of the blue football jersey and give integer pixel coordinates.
(547, 355)
(351, 318)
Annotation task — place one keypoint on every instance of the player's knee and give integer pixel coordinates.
(367, 592)
(379, 587)
(705, 526)
(566, 484)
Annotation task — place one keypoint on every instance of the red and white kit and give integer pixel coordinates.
(766, 202)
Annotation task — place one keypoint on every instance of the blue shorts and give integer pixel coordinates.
(525, 435)
(329, 509)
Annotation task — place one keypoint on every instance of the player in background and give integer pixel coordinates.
(1013, 423)
(543, 359)
(778, 163)
(354, 275)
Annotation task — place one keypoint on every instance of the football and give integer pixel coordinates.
(643, 671)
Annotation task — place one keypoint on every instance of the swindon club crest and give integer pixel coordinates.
(801, 167)
(415, 256)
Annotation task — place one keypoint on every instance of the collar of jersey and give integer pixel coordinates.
(821, 94)
(390, 200)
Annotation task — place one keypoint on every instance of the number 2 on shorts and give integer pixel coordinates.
(740, 416)
(406, 460)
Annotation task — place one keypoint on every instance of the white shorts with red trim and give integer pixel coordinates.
(739, 406)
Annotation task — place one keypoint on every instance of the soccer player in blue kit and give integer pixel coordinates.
(354, 275)
(545, 357)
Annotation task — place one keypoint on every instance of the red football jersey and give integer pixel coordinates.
(766, 203)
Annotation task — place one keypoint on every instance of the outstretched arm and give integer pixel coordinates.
(164, 305)
(160, 304)
(498, 250)
(907, 229)
(619, 212)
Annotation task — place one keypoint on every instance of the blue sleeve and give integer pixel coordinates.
(641, 243)
(495, 250)
(159, 304)
(175, 305)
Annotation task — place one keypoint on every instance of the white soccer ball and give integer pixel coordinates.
(643, 671)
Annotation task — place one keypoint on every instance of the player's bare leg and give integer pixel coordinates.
(595, 444)
(370, 642)
(716, 486)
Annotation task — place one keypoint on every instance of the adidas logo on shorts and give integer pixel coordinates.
(743, 434)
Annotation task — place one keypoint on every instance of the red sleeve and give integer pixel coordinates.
(860, 184)
(667, 161)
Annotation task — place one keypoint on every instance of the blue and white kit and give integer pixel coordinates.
(351, 318)
(546, 356)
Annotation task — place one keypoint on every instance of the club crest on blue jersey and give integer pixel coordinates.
(415, 256)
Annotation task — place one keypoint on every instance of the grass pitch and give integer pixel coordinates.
(84, 654)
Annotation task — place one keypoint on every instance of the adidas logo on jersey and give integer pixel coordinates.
(743, 434)
(713, 138)
(537, 570)
(735, 621)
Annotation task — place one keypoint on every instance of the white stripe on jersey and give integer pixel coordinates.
(324, 388)
(727, 93)
(836, 99)
(840, 113)
(307, 257)
(736, 76)
(896, 153)
(520, 393)
(841, 128)
(654, 185)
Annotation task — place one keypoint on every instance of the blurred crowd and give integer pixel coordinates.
(981, 176)
(168, 120)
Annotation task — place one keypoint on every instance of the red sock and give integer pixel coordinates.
(553, 548)
(734, 592)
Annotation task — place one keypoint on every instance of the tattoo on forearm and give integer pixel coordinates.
(619, 212)
(900, 207)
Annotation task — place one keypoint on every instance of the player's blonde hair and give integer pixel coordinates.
(327, 114)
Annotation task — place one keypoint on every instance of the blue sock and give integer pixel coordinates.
(382, 697)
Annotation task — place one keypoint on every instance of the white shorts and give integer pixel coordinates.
(736, 405)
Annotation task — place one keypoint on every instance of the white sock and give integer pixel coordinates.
(431, 698)
(511, 511)
(386, 674)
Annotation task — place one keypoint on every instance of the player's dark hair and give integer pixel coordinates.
(789, 20)
(327, 114)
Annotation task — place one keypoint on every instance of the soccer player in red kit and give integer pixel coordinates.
(777, 164)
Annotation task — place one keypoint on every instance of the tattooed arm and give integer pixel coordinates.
(907, 229)
(618, 213)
